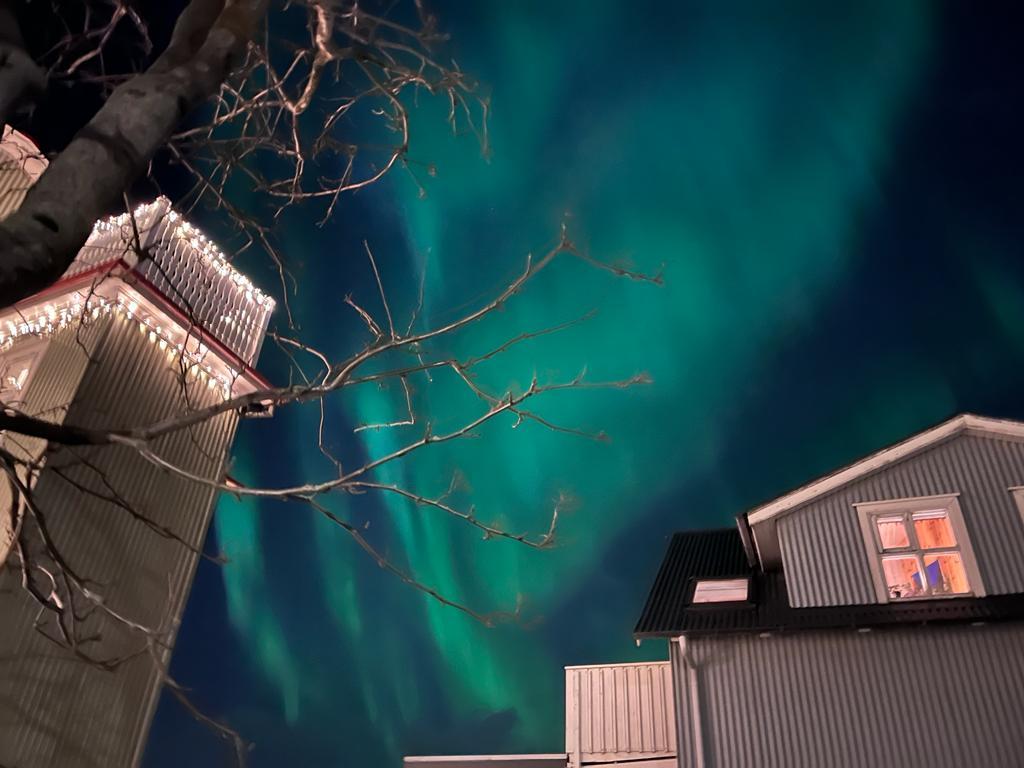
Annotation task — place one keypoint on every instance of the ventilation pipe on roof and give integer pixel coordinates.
(747, 537)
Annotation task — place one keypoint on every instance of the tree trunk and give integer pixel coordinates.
(40, 240)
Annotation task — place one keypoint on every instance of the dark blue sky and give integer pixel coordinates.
(836, 197)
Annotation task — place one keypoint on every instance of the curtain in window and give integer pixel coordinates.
(892, 534)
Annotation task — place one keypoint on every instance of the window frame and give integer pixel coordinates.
(870, 511)
(1017, 491)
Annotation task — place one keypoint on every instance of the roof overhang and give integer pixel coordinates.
(110, 288)
(963, 423)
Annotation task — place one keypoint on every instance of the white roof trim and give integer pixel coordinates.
(883, 458)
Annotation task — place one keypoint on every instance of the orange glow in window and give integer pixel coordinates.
(933, 530)
(946, 574)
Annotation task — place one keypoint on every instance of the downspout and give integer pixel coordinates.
(577, 754)
(693, 692)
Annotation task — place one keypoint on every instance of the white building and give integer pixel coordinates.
(118, 342)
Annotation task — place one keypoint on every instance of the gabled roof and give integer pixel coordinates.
(719, 553)
(966, 422)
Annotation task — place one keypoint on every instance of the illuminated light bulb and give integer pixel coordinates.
(152, 337)
(162, 345)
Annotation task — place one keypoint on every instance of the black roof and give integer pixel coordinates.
(713, 554)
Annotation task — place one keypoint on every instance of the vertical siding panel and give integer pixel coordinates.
(625, 711)
(14, 184)
(941, 696)
(680, 700)
(77, 715)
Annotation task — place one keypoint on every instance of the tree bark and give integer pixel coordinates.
(40, 240)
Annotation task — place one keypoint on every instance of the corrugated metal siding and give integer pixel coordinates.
(53, 709)
(822, 546)
(14, 183)
(936, 697)
(618, 712)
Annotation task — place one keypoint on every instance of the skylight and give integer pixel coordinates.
(721, 591)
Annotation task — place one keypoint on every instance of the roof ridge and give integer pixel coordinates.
(884, 457)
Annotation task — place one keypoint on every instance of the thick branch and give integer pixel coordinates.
(40, 240)
(64, 434)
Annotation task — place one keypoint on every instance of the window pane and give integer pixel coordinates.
(933, 530)
(892, 533)
(720, 591)
(903, 577)
(946, 574)
(13, 377)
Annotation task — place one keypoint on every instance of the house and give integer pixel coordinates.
(118, 342)
(872, 617)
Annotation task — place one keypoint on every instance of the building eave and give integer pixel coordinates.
(104, 282)
(883, 458)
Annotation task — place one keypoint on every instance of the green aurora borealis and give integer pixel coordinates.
(836, 276)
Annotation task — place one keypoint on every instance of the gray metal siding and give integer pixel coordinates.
(14, 183)
(55, 710)
(823, 549)
(917, 696)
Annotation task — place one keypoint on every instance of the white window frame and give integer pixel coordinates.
(717, 587)
(1017, 491)
(869, 511)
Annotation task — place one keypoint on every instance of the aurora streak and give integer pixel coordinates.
(772, 160)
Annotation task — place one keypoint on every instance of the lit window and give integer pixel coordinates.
(720, 590)
(920, 548)
(15, 371)
(14, 379)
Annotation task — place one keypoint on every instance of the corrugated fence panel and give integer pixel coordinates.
(940, 697)
(619, 711)
(55, 710)
(823, 549)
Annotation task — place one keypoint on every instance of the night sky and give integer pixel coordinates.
(836, 196)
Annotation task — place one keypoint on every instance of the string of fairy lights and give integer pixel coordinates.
(148, 214)
(187, 353)
(113, 297)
